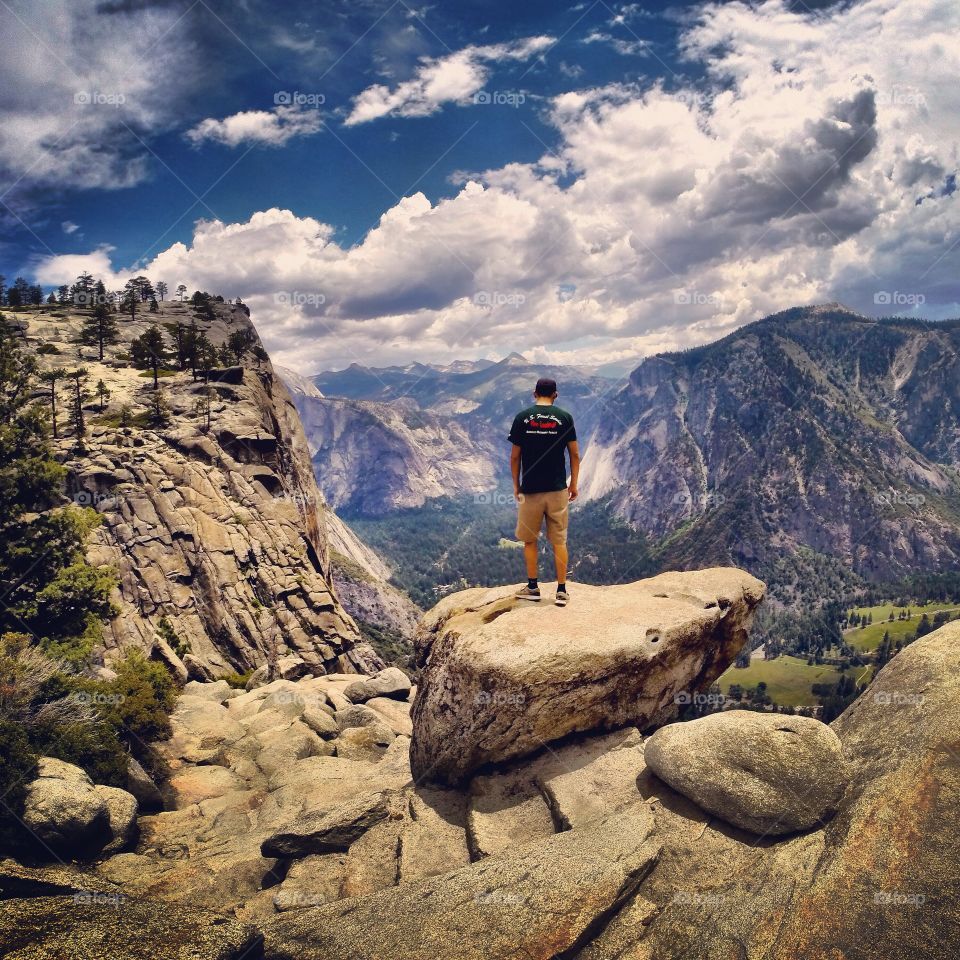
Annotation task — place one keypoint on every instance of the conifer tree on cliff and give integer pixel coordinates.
(149, 351)
(52, 378)
(100, 328)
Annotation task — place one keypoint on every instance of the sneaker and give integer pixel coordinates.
(562, 598)
(527, 594)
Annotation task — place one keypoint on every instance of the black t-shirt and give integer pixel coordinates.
(542, 432)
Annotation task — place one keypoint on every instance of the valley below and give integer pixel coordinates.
(803, 448)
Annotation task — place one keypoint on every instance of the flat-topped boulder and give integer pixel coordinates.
(504, 678)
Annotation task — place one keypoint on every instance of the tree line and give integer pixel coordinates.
(86, 291)
(177, 345)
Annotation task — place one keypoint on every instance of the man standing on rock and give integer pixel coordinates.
(541, 436)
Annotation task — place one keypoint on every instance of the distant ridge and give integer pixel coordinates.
(297, 382)
(815, 427)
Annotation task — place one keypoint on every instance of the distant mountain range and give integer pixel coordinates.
(393, 437)
(816, 431)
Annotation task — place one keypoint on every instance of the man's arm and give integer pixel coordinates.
(515, 468)
(573, 448)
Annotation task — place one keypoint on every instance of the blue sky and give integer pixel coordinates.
(344, 175)
(387, 181)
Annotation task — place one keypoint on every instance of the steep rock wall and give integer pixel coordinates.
(217, 533)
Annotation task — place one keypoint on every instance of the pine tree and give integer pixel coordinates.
(885, 650)
(159, 408)
(181, 335)
(100, 328)
(52, 378)
(204, 407)
(82, 290)
(131, 297)
(77, 420)
(48, 589)
(19, 294)
(161, 290)
(181, 291)
(203, 353)
(143, 286)
(103, 393)
(240, 343)
(148, 351)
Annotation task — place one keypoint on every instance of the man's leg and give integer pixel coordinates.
(529, 520)
(530, 557)
(558, 513)
(559, 559)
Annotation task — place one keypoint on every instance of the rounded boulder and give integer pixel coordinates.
(767, 773)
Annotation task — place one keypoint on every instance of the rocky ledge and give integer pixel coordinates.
(505, 677)
(294, 828)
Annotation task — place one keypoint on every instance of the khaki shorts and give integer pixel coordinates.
(554, 505)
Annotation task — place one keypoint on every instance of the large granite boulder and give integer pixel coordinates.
(335, 830)
(391, 682)
(763, 772)
(503, 678)
(878, 882)
(64, 812)
(122, 812)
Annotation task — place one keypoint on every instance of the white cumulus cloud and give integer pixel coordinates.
(451, 79)
(75, 105)
(272, 128)
(816, 163)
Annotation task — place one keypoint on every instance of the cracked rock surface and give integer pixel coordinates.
(576, 852)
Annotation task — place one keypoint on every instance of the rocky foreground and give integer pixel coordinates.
(294, 827)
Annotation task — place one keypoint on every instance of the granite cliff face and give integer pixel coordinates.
(361, 580)
(816, 427)
(217, 532)
(371, 458)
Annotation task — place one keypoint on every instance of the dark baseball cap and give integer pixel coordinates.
(545, 387)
